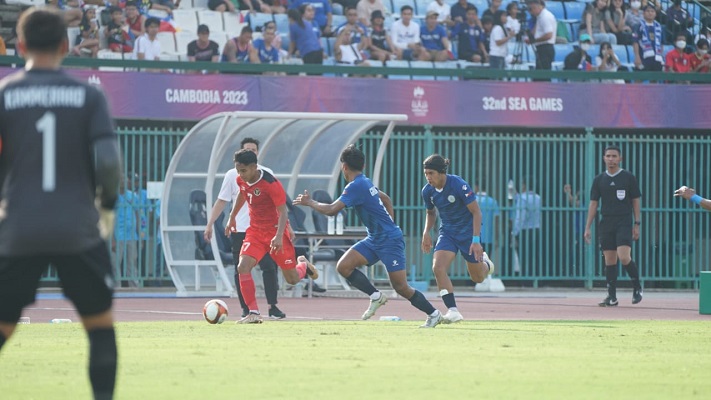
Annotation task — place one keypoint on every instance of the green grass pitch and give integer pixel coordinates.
(371, 360)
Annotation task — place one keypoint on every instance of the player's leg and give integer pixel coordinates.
(237, 238)
(392, 254)
(361, 254)
(294, 270)
(271, 285)
(444, 254)
(19, 278)
(87, 281)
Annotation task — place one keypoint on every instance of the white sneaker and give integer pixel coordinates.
(452, 316)
(490, 263)
(374, 305)
(251, 318)
(433, 320)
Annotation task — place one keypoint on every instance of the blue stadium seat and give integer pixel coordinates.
(561, 51)
(446, 65)
(481, 5)
(331, 45)
(574, 10)
(421, 6)
(282, 23)
(422, 64)
(258, 20)
(337, 20)
(622, 53)
(326, 48)
(594, 51)
(556, 7)
(398, 64)
(398, 4)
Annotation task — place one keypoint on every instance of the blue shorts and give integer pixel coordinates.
(390, 251)
(448, 243)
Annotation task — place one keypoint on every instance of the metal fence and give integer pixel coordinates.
(675, 241)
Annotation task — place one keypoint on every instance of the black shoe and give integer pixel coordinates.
(318, 289)
(275, 313)
(636, 296)
(608, 302)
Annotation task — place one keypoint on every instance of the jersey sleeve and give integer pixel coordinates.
(100, 124)
(464, 191)
(349, 197)
(595, 190)
(635, 193)
(427, 198)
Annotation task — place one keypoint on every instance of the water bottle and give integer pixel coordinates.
(331, 225)
(339, 224)
(60, 321)
(511, 189)
(390, 318)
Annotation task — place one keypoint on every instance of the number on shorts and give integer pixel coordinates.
(245, 246)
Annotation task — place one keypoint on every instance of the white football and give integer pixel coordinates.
(215, 311)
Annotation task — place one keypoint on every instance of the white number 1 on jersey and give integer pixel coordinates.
(47, 126)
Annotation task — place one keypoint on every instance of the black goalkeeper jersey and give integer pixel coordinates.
(616, 192)
(49, 123)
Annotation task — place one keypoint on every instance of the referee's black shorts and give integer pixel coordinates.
(615, 231)
(87, 280)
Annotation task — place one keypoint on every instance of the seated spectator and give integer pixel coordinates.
(203, 49)
(678, 19)
(366, 8)
(307, 14)
(263, 50)
(237, 49)
(434, 40)
(607, 60)
(443, 11)
(221, 5)
(405, 35)
(677, 60)
(147, 45)
(117, 32)
(87, 43)
(303, 39)
(512, 22)
(494, 6)
(704, 33)
(595, 19)
(700, 60)
(323, 13)
(648, 42)
(579, 59)
(346, 51)
(616, 22)
(498, 42)
(487, 24)
(471, 38)
(380, 43)
(277, 39)
(358, 31)
(458, 12)
(136, 22)
(633, 16)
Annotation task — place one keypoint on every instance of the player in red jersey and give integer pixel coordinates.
(267, 231)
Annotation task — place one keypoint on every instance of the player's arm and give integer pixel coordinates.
(107, 170)
(637, 216)
(430, 219)
(332, 209)
(475, 248)
(217, 209)
(592, 210)
(387, 203)
(690, 194)
(283, 212)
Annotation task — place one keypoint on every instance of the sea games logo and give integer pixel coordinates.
(419, 104)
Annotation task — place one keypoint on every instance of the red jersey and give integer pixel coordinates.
(263, 197)
(694, 62)
(677, 61)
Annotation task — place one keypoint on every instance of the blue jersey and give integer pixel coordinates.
(489, 210)
(266, 56)
(365, 198)
(321, 9)
(432, 39)
(304, 38)
(451, 203)
(469, 37)
(356, 36)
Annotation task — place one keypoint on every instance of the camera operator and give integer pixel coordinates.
(543, 34)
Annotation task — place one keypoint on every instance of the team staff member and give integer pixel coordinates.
(620, 222)
(690, 194)
(59, 158)
(543, 34)
(459, 232)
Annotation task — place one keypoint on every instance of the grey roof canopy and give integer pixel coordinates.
(302, 149)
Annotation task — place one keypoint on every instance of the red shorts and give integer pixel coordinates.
(257, 243)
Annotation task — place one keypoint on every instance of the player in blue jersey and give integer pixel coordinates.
(459, 231)
(384, 241)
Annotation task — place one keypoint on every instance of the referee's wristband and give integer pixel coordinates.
(476, 239)
(696, 199)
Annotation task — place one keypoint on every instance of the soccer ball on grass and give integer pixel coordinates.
(215, 311)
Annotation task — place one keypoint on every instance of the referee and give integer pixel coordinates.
(620, 222)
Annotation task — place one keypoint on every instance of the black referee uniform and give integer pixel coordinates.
(615, 229)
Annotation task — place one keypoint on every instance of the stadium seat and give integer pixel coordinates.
(398, 4)
(258, 20)
(422, 64)
(200, 4)
(331, 45)
(574, 10)
(233, 23)
(185, 19)
(182, 39)
(481, 5)
(556, 7)
(622, 54)
(421, 7)
(561, 51)
(160, 14)
(282, 23)
(285, 40)
(167, 42)
(212, 19)
(594, 51)
(26, 3)
(398, 64)
(446, 65)
(338, 20)
(326, 48)
(221, 38)
(198, 217)
(389, 20)
(72, 34)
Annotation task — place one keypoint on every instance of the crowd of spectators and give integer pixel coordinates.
(363, 31)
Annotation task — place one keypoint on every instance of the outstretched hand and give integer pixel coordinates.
(303, 199)
(685, 192)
